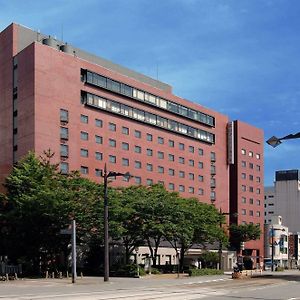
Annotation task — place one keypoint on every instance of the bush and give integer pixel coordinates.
(155, 271)
(126, 270)
(279, 269)
(202, 272)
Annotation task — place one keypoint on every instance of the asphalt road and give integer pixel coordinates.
(277, 286)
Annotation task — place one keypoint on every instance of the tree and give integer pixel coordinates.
(243, 233)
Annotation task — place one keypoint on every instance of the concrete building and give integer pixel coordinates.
(269, 203)
(90, 111)
(277, 241)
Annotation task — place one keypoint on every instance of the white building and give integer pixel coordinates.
(269, 203)
(276, 242)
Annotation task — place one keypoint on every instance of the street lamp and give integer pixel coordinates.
(275, 141)
(105, 175)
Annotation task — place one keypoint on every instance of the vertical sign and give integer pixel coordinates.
(230, 143)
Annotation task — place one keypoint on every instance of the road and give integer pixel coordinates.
(283, 286)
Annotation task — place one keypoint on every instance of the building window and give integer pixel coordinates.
(244, 200)
(171, 143)
(149, 167)
(244, 164)
(160, 155)
(160, 169)
(125, 146)
(191, 190)
(149, 181)
(257, 167)
(257, 155)
(98, 172)
(251, 189)
(181, 160)
(98, 123)
(137, 164)
(181, 146)
(243, 175)
(171, 186)
(243, 151)
(250, 153)
(64, 150)
(191, 149)
(181, 174)
(137, 134)
(258, 202)
(84, 136)
(84, 153)
(212, 182)
(200, 151)
(149, 152)
(181, 188)
(212, 156)
(258, 213)
(112, 126)
(171, 157)
(137, 149)
(112, 159)
(64, 115)
(125, 162)
(98, 139)
(251, 165)
(250, 212)
(257, 179)
(171, 172)
(84, 119)
(125, 130)
(244, 212)
(160, 140)
(244, 188)
(149, 137)
(200, 165)
(200, 178)
(64, 133)
(251, 177)
(212, 170)
(98, 155)
(251, 200)
(191, 162)
(112, 143)
(138, 180)
(191, 176)
(212, 195)
(257, 191)
(200, 191)
(84, 170)
(64, 168)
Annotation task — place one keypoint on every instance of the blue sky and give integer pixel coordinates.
(239, 57)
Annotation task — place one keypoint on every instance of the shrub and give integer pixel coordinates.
(202, 272)
(155, 271)
(279, 269)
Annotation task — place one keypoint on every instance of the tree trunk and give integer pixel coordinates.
(181, 260)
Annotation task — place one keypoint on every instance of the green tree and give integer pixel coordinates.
(243, 233)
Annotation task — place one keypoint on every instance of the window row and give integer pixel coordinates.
(145, 117)
(251, 201)
(121, 88)
(251, 165)
(85, 136)
(250, 177)
(250, 153)
(250, 213)
(250, 189)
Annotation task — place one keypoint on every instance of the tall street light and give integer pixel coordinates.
(105, 175)
(275, 141)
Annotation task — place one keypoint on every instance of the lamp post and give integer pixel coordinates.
(105, 175)
(275, 141)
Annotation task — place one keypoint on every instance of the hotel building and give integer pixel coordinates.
(90, 111)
